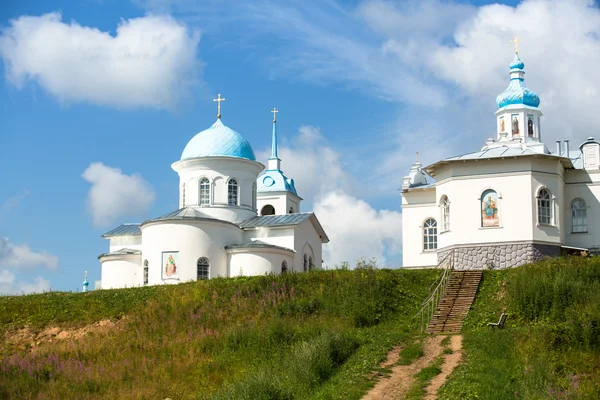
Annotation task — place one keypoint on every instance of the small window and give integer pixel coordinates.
(183, 195)
(445, 213)
(291, 211)
(232, 192)
(544, 203)
(145, 272)
(430, 234)
(311, 265)
(203, 267)
(204, 192)
(305, 263)
(578, 216)
(283, 267)
(267, 210)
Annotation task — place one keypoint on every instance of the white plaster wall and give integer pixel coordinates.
(552, 180)
(121, 272)
(258, 262)
(306, 237)
(192, 239)
(417, 206)
(219, 170)
(584, 185)
(126, 241)
(283, 237)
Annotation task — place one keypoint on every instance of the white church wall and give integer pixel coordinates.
(584, 185)
(552, 181)
(306, 237)
(126, 241)
(120, 272)
(283, 237)
(191, 240)
(413, 217)
(258, 262)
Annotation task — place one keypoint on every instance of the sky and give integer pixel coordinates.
(99, 97)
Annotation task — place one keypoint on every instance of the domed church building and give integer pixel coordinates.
(512, 202)
(230, 221)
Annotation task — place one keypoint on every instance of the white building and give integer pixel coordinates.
(510, 203)
(216, 230)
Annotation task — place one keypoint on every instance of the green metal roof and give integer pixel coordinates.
(275, 220)
(122, 252)
(257, 244)
(125, 230)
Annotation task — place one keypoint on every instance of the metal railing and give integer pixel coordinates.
(429, 306)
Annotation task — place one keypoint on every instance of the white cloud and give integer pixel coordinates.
(150, 62)
(22, 256)
(114, 195)
(357, 230)
(8, 286)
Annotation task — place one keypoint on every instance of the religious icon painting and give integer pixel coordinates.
(489, 209)
(515, 124)
(529, 125)
(169, 265)
(502, 126)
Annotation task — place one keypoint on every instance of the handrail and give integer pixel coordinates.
(430, 305)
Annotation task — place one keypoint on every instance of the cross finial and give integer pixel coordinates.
(219, 99)
(417, 157)
(275, 111)
(516, 41)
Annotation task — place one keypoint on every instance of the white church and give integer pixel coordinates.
(510, 203)
(230, 221)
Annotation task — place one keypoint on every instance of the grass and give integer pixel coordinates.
(550, 346)
(285, 337)
(411, 353)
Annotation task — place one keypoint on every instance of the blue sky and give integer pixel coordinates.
(361, 86)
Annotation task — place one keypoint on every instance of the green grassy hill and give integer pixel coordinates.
(304, 336)
(296, 336)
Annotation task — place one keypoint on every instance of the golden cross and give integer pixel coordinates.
(219, 99)
(275, 111)
(516, 41)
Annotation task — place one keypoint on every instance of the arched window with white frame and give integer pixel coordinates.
(430, 234)
(545, 207)
(204, 192)
(445, 204)
(232, 192)
(203, 267)
(578, 216)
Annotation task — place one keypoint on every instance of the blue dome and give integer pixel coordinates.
(275, 181)
(517, 92)
(218, 140)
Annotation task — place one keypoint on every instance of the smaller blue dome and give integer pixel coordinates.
(517, 63)
(218, 140)
(275, 181)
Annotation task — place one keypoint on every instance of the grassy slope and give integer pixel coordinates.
(313, 335)
(550, 347)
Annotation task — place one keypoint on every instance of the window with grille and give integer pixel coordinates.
(430, 234)
(445, 214)
(204, 192)
(145, 272)
(578, 216)
(305, 263)
(232, 192)
(203, 267)
(284, 267)
(544, 207)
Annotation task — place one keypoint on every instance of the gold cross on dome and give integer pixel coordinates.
(516, 41)
(275, 111)
(219, 99)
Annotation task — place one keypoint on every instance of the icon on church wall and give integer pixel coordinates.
(530, 125)
(515, 124)
(169, 264)
(489, 209)
(502, 127)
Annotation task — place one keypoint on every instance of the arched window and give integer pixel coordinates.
(310, 263)
(267, 210)
(578, 216)
(203, 267)
(305, 263)
(204, 192)
(284, 267)
(183, 195)
(445, 214)
(430, 234)
(145, 272)
(544, 203)
(291, 210)
(232, 192)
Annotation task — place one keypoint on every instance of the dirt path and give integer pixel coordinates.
(403, 376)
(450, 362)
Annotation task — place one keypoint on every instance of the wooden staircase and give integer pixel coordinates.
(455, 303)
